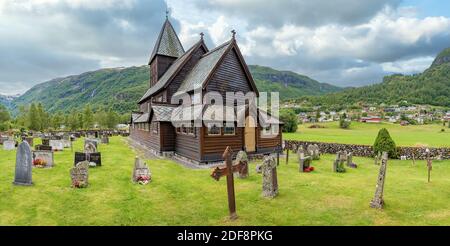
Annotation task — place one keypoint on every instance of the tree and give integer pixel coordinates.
(57, 120)
(73, 121)
(343, 122)
(22, 117)
(43, 117)
(112, 119)
(33, 118)
(289, 118)
(88, 117)
(384, 143)
(4, 118)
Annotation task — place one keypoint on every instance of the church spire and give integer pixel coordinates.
(168, 43)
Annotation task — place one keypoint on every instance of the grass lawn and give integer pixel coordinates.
(365, 133)
(181, 196)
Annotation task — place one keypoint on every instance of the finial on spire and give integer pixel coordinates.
(167, 13)
(233, 33)
(201, 35)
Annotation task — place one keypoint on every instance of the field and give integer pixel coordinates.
(365, 133)
(181, 196)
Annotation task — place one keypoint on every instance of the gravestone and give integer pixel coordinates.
(294, 148)
(350, 161)
(377, 201)
(3, 139)
(90, 148)
(403, 158)
(105, 139)
(23, 165)
(304, 163)
(242, 158)
(80, 174)
(92, 141)
(29, 140)
(43, 159)
(258, 168)
(43, 147)
(94, 159)
(339, 162)
(66, 143)
(141, 172)
(313, 151)
(9, 145)
(269, 176)
(57, 145)
(46, 141)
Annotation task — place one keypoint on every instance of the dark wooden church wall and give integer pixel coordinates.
(168, 136)
(188, 146)
(214, 146)
(145, 138)
(267, 144)
(229, 76)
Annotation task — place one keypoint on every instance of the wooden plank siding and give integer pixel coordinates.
(146, 138)
(229, 76)
(266, 145)
(188, 146)
(159, 66)
(168, 136)
(214, 146)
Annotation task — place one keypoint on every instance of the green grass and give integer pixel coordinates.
(181, 196)
(365, 133)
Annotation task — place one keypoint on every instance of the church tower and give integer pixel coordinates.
(167, 49)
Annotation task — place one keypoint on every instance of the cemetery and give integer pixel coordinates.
(391, 192)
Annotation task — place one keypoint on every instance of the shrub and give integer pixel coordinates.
(384, 142)
(289, 119)
(344, 123)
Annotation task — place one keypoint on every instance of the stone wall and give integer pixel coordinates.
(366, 150)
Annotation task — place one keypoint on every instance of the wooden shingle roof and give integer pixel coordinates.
(201, 71)
(172, 71)
(167, 43)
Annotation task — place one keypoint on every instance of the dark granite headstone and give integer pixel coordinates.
(46, 141)
(90, 157)
(24, 162)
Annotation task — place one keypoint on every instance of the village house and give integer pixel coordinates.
(371, 119)
(197, 71)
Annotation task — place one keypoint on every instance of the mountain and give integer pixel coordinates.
(7, 100)
(431, 87)
(121, 88)
(443, 57)
(289, 84)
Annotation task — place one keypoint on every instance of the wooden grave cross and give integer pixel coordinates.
(228, 171)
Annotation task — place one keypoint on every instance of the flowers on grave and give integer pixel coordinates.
(143, 180)
(79, 184)
(92, 164)
(308, 169)
(40, 163)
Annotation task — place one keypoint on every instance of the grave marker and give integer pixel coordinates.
(141, 172)
(43, 159)
(269, 176)
(377, 201)
(23, 174)
(227, 171)
(80, 174)
(9, 145)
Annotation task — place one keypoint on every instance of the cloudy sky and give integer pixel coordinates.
(342, 42)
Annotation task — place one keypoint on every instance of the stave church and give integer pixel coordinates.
(196, 72)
